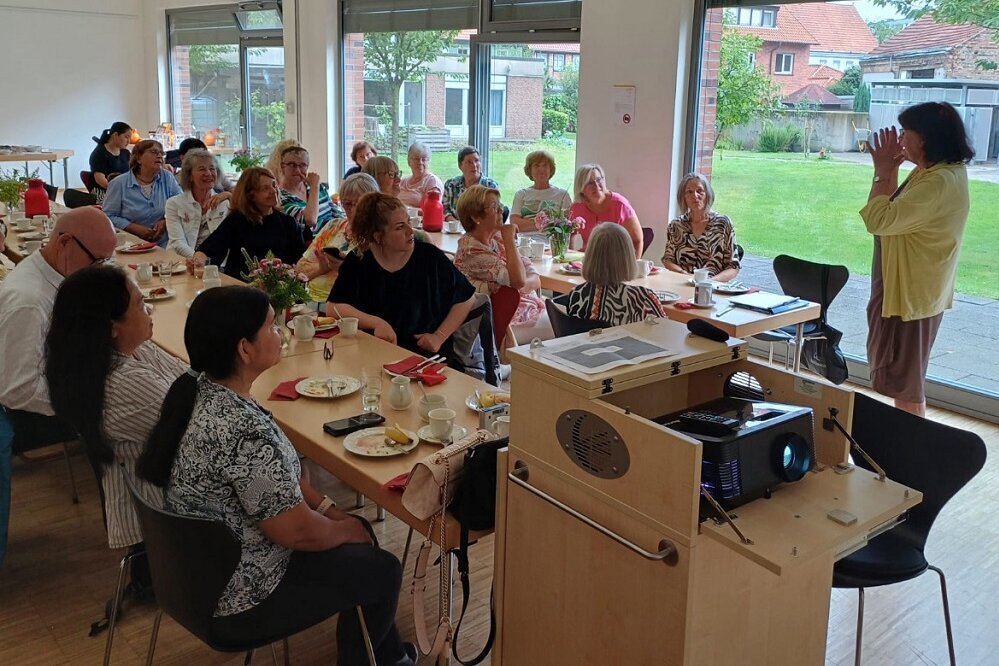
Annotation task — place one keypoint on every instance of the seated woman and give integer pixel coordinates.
(136, 200)
(273, 163)
(406, 292)
(255, 224)
(596, 204)
(108, 381)
(386, 173)
(487, 255)
(700, 237)
(175, 158)
(319, 265)
(470, 164)
(220, 456)
(110, 157)
(413, 188)
(528, 202)
(302, 195)
(195, 213)
(608, 264)
(360, 153)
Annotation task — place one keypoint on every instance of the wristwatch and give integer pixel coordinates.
(325, 505)
(878, 179)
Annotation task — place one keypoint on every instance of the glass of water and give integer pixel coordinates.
(371, 393)
(165, 269)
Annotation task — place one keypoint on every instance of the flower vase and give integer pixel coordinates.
(281, 316)
(559, 243)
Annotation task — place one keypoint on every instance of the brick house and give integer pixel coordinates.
(926, 49)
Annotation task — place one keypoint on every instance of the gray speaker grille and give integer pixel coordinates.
(592, 444)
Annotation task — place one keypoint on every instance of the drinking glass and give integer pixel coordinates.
(199, 267)
(165, 269)
(371, 393)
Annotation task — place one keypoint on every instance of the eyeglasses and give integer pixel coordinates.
(296, 165)
(392, 174)
(345, 203)
(595, 182)
(154, 151)
(491, 207)
(93, 258)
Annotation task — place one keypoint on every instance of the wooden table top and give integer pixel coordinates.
(737, 322)
(50, 155)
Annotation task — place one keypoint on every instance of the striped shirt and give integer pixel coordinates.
(133, 396)
(326, 211)
(615, 304)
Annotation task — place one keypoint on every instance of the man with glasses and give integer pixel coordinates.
(82, 237)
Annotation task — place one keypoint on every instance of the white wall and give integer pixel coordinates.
(60, 83)
(645, 43)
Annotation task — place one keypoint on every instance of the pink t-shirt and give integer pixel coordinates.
(618, 210)
(412, 191)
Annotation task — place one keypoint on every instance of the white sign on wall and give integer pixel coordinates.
(623, 105)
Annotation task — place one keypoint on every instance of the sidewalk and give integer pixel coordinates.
(986, 171)
(967, 346)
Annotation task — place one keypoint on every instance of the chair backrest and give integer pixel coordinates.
(87, 178)
(648, 235)
(805, 279)
(475, 337)
(77, 199)
(51, 190)
(190, 560)
(505, 302)
(935, 459)
(739, 252)
(563, 324)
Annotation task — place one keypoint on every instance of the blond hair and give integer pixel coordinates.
(472, 204)
(709, 193)
(274, 160)
(583, 175)
(610, 255)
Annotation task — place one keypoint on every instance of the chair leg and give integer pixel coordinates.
(946, 610)
(72, 477)
(152, 639)
(379, 513)
(123, 570)
(248, 659)
(770, 359)
(274, 655)
(367, 637)
(860, 628)
(359, 501)
(287, 652)
(405, 552)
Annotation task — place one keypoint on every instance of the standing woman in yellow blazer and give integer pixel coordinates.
(917, 228)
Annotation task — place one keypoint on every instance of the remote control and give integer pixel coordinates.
(706, 423)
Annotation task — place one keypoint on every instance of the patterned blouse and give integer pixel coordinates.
(327, 210)
(455, 187)
(332, 235)
(235, 465)
(485, 267)
(615, 304)
(714, 249)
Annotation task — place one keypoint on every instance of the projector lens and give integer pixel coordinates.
(793, 457)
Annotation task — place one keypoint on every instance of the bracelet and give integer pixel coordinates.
(325, 505)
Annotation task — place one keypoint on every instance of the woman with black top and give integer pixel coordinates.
(256, 224)
(406, 292)
(110, 157)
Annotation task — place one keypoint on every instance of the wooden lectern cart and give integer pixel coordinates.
(603, 562)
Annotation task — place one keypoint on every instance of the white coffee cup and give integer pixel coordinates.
(144, 273)
(452, 226)
(701, 275)
(305, 328)
(537, 250)
(430, 402)
(643, 267)
(703, 293)
(348, 326)
(523, 240)
(501, 426)
(441, 422)
(31, 246)
(39, 220)
(21, 223)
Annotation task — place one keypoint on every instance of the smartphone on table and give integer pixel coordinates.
(346, 426)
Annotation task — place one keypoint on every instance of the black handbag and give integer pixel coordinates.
(823, 356)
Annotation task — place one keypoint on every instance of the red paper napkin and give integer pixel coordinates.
(398, 483)
(577, 265)
(655, 270)
(429, 375)
(405, 365)
(286, 390)
(139, 246)
(680, 305)
(328, 333)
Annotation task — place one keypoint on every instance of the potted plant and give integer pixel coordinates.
(559, 228)
(12, 186)
(244, 158)
(283, 285)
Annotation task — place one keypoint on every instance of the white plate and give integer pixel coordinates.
(731, 289)
(316, 387)
(319, 329)
(665, 296)
(427, 435)
(371, 442)
(690, 301)
(147, 294)
(128, 249)
(32, 235)
(565, 269)
(474, 405)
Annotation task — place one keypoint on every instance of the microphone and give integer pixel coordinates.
(706, 330)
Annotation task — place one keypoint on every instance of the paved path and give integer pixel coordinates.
(967, 347)
(985, 171)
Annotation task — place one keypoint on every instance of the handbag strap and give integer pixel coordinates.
(462, 555)
(439, 644)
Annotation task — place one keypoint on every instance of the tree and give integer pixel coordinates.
(852, 79)
(885, 29)
(862, 100)
(397, 57)
(744, 90)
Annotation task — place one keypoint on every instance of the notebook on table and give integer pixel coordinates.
(767, 303)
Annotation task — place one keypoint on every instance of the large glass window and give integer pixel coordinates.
(764, 142)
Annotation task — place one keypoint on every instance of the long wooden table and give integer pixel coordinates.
(737, 322)
(48, 156)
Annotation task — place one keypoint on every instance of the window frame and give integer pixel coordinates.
(777, 60)
(489, 26)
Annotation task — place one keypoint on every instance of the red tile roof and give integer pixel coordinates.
(813, 93)
(925, 33)
(789, 30)
(824, 75)
(834, 27)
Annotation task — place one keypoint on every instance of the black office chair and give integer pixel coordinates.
(475, 337)
(819, 283)
(936, 459)
(648, 235)
(78, 199)
(564, 324)
(191, 561)
(51, 190)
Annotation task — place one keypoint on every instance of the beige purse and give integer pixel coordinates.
(426, 491)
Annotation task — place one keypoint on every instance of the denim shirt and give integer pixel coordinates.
(126, 204)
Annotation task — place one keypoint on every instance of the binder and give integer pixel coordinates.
(768, 303)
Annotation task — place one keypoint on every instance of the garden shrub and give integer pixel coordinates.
(775, 139)
(553, 123)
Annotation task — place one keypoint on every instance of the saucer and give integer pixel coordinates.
(427, 435)
(690, 301)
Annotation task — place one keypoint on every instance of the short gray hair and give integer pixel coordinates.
(687, 180)
(610, 255)
(192, 159)
(417, 149)
(357, 185)
(583, 175)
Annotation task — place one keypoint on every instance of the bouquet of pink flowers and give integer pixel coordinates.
(559, 228)
(283, 285)
(244, 158)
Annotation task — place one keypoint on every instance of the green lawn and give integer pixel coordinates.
(507, 167)
(809, 208)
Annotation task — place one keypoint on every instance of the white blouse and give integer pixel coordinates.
(187, 226)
